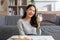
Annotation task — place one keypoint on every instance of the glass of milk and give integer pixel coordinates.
(39, 16)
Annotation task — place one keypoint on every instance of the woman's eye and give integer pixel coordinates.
(33, 10)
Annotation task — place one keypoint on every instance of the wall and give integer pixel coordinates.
(50, 12)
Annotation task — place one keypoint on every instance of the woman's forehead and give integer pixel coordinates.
(32, 7)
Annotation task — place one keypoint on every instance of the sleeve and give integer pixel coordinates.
(38, 31)
(20, 27)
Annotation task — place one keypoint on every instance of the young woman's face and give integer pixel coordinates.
(30, 11)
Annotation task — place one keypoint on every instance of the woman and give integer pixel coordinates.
(29, 24)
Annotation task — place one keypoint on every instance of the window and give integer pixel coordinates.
(46, 5)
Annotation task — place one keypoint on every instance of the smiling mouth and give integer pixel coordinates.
(30, 14)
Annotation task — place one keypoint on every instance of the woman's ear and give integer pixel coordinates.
(26, 11)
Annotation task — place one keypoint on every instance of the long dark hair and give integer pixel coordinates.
(33, 21)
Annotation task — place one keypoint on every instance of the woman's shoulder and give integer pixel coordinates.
(20, 20)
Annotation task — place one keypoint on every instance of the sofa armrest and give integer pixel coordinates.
(58, 20)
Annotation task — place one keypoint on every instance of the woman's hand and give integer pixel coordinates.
(39, 20)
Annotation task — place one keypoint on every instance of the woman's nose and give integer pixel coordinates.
(31, 11)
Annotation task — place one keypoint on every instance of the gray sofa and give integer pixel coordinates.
(8, 26)
(49, 26)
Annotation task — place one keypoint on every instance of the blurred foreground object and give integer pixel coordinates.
(17, 37)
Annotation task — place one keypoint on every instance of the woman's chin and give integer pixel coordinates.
(30, 16)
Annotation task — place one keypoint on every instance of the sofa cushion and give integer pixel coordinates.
(51, 30)
(2, 20)
(7, 31)
(47, 23)
(11, 20)
(49, 17)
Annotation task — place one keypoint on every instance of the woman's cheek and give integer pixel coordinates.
(30, 15)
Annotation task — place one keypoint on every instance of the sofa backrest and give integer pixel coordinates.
(58, 20)
(49, 17)
(2, 20)
(11, 20)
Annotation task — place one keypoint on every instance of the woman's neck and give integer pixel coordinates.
(27, 19)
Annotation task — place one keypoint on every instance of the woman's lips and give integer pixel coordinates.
(30, 14)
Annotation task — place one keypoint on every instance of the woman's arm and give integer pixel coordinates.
(39, 20)
(20, 27)
(38, 31)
